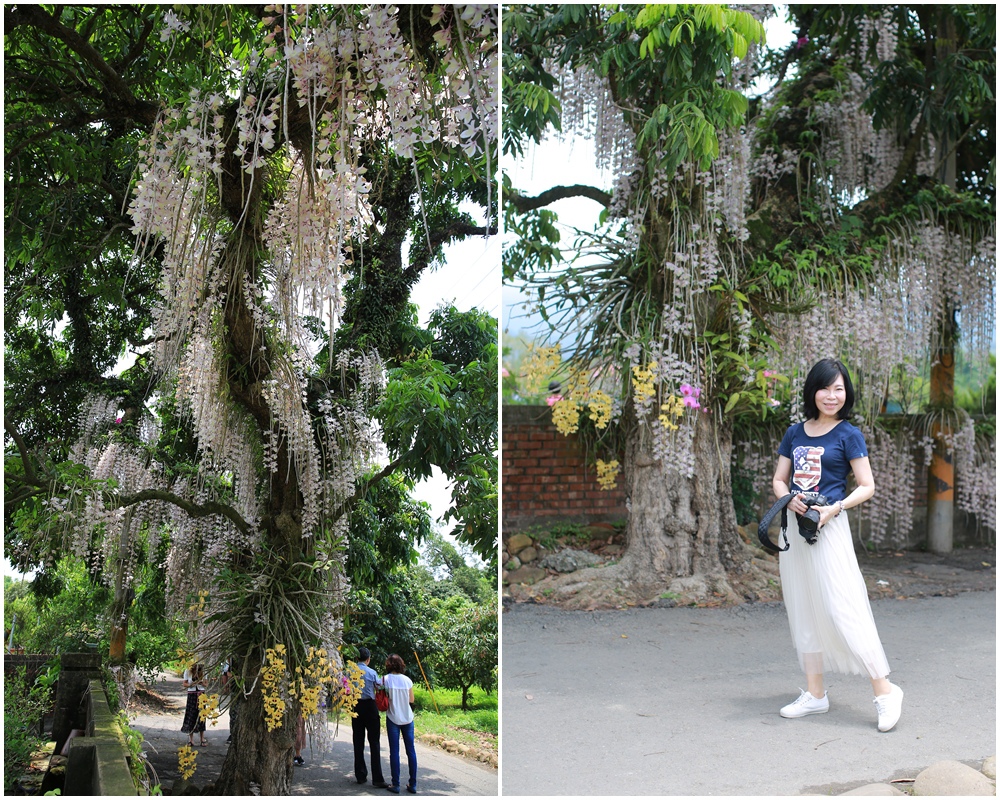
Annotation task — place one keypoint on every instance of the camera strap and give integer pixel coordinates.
(778, 507)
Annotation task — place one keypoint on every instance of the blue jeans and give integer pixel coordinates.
(392, 734)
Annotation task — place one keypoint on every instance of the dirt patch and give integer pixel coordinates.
(484, 751)
(898, 574)
(913, 573)
(149, 701)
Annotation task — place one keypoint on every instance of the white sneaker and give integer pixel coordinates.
(805, 705)
(889, 707)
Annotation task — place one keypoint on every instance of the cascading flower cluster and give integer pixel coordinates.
(272, 680)
(601, 408)
(187, 757)
(644, 384)
(208, 708)
(566, 416)
(671, 411)
(307, 684)
(537, 368)
(347, 686)
(975, 467)
(607, 473)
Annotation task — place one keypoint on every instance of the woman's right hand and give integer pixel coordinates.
(797, 505)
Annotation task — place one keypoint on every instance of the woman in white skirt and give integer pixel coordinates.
(824, 592)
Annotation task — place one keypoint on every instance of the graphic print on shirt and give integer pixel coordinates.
(808, 467)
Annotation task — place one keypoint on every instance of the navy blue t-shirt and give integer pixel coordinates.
(822, 463)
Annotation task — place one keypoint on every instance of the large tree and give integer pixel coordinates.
(242, 197)
(744, 236)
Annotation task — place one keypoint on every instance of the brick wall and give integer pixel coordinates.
(545, 479)
(545, 475)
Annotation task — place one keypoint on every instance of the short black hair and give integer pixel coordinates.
(820, 376)
(363, 654)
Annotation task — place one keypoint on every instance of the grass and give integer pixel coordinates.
(476, 727)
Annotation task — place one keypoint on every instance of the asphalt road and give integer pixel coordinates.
(684, 701)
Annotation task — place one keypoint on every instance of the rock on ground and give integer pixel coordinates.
(874, 790)
(570, 560)
(952, 779)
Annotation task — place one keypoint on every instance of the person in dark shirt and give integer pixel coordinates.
(824, 592)
(367, 722)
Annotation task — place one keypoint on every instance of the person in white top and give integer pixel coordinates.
(399, 720)
(194, 682)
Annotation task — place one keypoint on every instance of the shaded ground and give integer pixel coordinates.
(916, 574)
(899, 574)
(158, 714)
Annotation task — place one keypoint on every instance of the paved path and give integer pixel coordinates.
(685, 701)
(332, 773)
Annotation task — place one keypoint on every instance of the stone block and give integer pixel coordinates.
(952, 779)
(517, 542)
(528, 575)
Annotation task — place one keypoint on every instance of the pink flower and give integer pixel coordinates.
(769, 373)
(504, 372)
(553, 399)
(689, 395)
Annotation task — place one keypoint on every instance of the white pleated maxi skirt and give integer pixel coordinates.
(827, 601)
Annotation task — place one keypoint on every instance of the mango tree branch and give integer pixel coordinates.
(49, 23)
(359, 492)
(524, 204)
(193, 509)
(22, 448)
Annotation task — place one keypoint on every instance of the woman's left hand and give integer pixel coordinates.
(826, 513)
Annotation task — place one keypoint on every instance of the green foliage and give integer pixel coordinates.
(23, 707)
(138, 765)
(401, 608)
(64, 609)
(440, 409)
(386, 608)
(468, 641)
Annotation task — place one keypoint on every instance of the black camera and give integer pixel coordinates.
(809, 522)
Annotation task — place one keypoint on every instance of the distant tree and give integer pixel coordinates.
(467, 646)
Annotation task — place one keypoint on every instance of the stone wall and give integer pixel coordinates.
(546, 478)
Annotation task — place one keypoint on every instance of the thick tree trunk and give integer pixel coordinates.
(941, 474)
(257, 755)
(124, 595)
(681, 535)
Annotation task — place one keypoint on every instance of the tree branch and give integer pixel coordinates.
(193, 509)
(111, 80)
(353, 500)
(29, 472)
(523, 204)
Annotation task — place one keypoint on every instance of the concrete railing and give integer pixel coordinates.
(98, 761)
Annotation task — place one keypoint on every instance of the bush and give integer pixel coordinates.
(23, 707)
